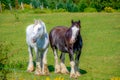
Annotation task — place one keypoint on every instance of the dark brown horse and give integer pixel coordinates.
(67, 40)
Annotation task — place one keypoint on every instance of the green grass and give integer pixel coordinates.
(100, 59)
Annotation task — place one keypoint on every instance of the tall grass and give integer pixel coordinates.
(100, 54)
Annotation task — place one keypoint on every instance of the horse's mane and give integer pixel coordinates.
(42, 23)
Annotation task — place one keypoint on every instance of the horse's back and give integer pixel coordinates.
(57, 37)
(59, 31)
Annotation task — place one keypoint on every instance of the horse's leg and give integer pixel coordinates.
(38, 67)
(45, 70)
(30, 65)
(57, 66)
(72, 63)
(62, 65)
(77, 63)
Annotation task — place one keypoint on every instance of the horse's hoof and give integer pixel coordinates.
(78, 74)
(57, 69)
(57, 72)
(46, 74)
(64, 72)
(46, 70)
(38, 72)
(31, 69)
(73, 76)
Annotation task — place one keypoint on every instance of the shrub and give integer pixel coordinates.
(59, 10)
(4, 50)
(42, 11)
(108, 9)
(26, 6)
(89, 9)
(118, 10)
(75, 8)
(82, 6)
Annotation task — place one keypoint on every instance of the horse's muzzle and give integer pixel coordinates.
(34, 40)
(72, 41)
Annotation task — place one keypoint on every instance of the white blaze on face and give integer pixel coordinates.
(35, 30)
(74, 33)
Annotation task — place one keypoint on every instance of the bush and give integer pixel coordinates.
(42, 11)
(59, 10)
(26, 6)
(118, 10)
(89, 9)
(75, 8)
(82, 6)
(108, 9)
(4, 50)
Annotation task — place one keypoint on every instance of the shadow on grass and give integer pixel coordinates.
(80, 70)
(51, 69)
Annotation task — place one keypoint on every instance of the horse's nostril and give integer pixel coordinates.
(34, 40)
(72, 41)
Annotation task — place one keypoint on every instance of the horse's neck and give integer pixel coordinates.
(45, 29)
(68, 33)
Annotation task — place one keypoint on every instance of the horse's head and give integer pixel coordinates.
(75, 29)
(38, 30)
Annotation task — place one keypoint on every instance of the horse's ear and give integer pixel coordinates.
(79, 21)
(35, 21)
(72, 21)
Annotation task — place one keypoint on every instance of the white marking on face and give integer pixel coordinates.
(74, 33)
(36, 27)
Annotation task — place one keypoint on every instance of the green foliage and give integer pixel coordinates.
(4, 50)
(89, 9)
(38, 11)
(61, 5)
(52, 5)
(75, 8)
(36, 3)
(27, 6)
(59, 10)
(108, 9)
(69, 5)
(82, 5)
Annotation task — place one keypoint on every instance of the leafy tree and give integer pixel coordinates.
(82, 5)
(69, 5)
(61, 4)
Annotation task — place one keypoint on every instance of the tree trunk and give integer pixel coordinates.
(22, 6)
(10, 6)
(16, 4)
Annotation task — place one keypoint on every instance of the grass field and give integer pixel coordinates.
(100, 59)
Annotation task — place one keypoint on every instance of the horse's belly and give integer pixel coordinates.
(62, 48)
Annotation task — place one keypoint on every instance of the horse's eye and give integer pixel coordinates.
(39, 29)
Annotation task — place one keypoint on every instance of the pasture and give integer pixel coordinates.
(100, 58)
